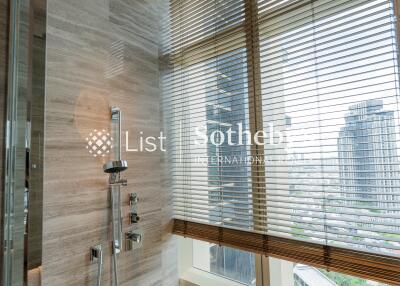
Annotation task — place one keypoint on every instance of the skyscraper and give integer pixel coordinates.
(368, 163)
(226, 104)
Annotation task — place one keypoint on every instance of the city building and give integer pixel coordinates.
(368, 159)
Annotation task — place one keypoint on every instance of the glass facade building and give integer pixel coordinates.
(368, 160)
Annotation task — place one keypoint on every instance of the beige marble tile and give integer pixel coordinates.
(84, 78)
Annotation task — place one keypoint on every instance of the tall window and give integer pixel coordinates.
(206, 96)
(283, 125)
(330, 89)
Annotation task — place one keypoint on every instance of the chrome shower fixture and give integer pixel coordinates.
(133, 239)
(133, 214)
(134, 218)
(115, 166)
(114, 169)
(96, 254)
(133, 199)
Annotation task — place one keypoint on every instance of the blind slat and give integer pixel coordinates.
(321, 79)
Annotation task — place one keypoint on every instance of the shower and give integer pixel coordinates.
(114, 169)
(57, 88)
(133, 238)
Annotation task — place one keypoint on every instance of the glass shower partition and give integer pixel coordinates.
(23, 172)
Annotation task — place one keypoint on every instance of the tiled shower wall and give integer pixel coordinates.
(102, 53)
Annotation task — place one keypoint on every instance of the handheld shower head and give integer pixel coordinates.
(112, 167)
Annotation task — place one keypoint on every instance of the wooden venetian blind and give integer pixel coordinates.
(318, 82)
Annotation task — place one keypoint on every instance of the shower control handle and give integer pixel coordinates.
(131, 238)
(133, 199)
(134, 217)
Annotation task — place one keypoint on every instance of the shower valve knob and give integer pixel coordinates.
(134, 217)
(133, 199)
(132, 239)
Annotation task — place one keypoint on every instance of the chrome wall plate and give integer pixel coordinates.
(133, 239)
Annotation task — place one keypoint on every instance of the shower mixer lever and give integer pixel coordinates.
(132, 238)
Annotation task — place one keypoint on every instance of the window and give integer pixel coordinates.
(208, 264)
(304, 275)
(332, 69)
(282, 121)
(227, 262)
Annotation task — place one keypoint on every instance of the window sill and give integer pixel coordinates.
(203, 278)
